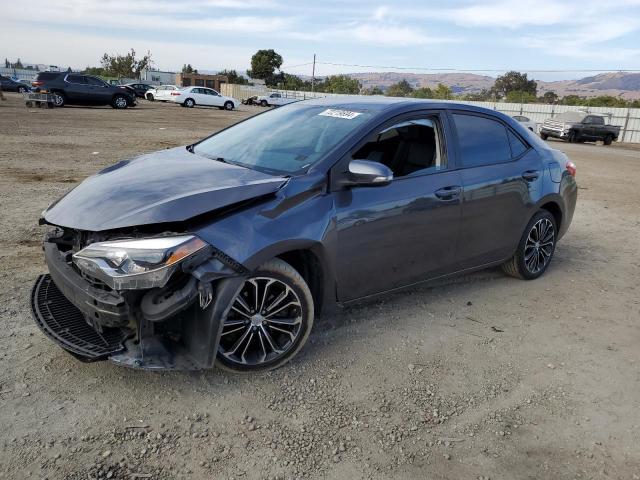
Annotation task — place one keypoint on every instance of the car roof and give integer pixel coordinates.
(381, 103)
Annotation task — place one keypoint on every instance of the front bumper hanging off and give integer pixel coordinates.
(95, 325)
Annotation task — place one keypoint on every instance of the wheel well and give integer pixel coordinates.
(554, 210)
(307, 264)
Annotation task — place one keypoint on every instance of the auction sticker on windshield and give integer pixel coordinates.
(346, 114)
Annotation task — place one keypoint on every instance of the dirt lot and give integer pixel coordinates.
(484, 376)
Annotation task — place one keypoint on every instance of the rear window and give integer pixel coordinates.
(482, 141)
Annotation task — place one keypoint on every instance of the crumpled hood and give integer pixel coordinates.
(166, 186)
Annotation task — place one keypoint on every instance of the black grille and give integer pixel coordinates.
(61, 321)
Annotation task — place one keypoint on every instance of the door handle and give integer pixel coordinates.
(530, 175)
(448, 193)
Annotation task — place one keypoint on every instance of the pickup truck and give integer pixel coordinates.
(579, 127)
(273, 99)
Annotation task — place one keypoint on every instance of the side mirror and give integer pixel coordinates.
(365, 173)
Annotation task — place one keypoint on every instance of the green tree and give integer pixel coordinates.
(375, 90)
(484, 96)
(400, 89)
(234, 77)
(514, 82)
(423, 92)
(188, 69)
(7, 63)
(340, 84)
(573, 100)
(127, 66)
(264, 63)
(18, 64)
(99, 71)
(516, 96)
(549, 97)
(293, 82)
(443, 92)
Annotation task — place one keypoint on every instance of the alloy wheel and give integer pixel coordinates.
(539, 246)
(58, 99)
(263, 324)
(121, 102)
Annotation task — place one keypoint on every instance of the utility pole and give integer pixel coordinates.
(313, 73)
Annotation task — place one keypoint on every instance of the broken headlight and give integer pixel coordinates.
(136, 263)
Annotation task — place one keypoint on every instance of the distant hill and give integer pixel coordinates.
(625, 85)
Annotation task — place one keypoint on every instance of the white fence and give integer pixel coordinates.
(628, 119)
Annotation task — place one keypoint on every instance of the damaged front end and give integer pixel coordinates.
(153, 302)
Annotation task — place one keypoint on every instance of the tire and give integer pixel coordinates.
(544, 136)
(150, 97)
(608, 139)
(22, 89)
(572, 138)
(189, 103)
(228, 105)
(263, 103)
(519, 265)
(119, 102)
(251, 342)
(59, 99)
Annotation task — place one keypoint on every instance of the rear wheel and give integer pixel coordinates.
(536, 248)
(608, 140)
(119, 102)
(269, 320)
(59, 99)
(544, 136)
(189, 103)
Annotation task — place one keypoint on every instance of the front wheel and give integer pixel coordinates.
(150, 97)
(264, 103)
(269, 321)
(536, 248)
(544, 136)
(572, 138)
(22, 89)
(228, 105)
(119, 102)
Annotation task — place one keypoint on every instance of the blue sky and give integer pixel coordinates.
(214, 34)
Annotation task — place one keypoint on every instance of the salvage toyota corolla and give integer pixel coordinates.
(225, 250)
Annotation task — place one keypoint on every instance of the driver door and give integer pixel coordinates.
(404, 232)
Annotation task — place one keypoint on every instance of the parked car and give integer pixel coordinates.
(138, 89)
(78, 89)
(273, 99)
(161, 93)
(226, 250)
(526, 122)
(208, 97)
(9, 85)
(579, 127)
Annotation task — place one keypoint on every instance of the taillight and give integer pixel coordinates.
(37, 83)
(571, 168)
(175, 93)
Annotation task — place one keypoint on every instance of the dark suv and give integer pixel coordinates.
(226, 250)
(78, 89)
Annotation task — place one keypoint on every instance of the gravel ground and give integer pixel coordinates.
(481, 377)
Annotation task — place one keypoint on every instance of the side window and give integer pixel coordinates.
(518, 147)
(94, 81)
(406, 147)
(482, 141)
(597, 120)
(76, 79)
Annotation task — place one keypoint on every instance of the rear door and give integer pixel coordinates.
(501, 176)
(76, 88)
(407, 231)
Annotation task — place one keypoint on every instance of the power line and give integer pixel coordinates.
(463, 70)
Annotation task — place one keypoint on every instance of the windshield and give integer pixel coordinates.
(571, 117)
(286, 140)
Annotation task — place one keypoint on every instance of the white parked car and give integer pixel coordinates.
(192, 96)
(527, 123)
(273, 98)
(161, 93)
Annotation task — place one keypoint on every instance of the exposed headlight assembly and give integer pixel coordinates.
(137, 263)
